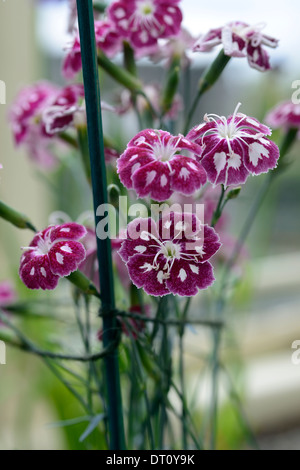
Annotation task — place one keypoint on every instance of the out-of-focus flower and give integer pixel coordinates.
(60, 113)
(7, 294)
(234, 147)
(53, 253)
(25, 116)
(177, 46)
(240, 40)
(170, 256)
(107, 39)
(154, 165)
(131, 327)
(153, 92)
(142, 22)
(285, 114)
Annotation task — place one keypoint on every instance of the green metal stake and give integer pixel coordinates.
(99, 184)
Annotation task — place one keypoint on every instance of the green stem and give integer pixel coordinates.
(207, 80)
(15, 218)
(99, 184)
(182, 375)
(285, 146)
(218, 212)
(121, 75)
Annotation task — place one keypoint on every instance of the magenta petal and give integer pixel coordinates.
(141, 234)
(144, 275)
(36, 274)
(187, 176)
(65, 257)
(129, 162)
(68, 231)
(258, 58)
(153, 180)
(262, 156)
(187, 277)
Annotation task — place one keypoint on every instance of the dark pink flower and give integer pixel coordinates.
(72, 63)
(60, 113)
(240, 40)
(40, 111)
(285, 114)
(170, 256)
(53, 253)
(154, 165)
(107, 39)
(26, 110)
(7, 294)
(143, 22)
(234, 147)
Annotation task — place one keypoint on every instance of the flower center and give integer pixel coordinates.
(171, 250)
(44, 246)
(145, 7)
(164, 152)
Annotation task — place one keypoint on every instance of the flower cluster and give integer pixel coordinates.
(170, 256)
(240, 40)
(53, 253)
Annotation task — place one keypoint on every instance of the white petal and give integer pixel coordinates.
(150, 177)
(257, 151)
(59, 258)
(182, 275)
(140, 249)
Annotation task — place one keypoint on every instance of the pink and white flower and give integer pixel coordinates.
(107, 39)
(170, 256)
(234, 147)
(174, 47)
(39, 112)
(285, 114)
(53, 253)
(143, 22)
(240, 40)
(154, 165)
(61, 112)
(27, 108)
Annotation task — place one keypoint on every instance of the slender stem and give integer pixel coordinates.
(207, 80)
(182, 376)
(286, 144)
(99, 184)
(26, 345)
(218, 212)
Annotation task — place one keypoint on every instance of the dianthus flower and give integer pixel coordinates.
(53, 253)
(143, 22)
(240, 40)
(170, 256)
(285, 114)
(234, 147)
(154, 165)
(107, 39)
(60, 113)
